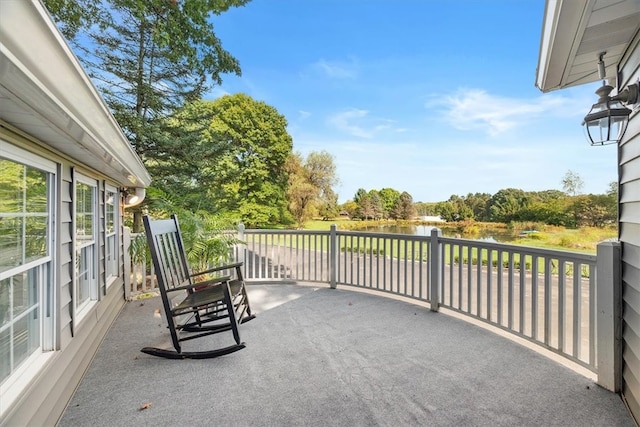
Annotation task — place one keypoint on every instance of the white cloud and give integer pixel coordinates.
(337, 69)
(356, 122)
(217, 92)
(476, 109)
(303, 114)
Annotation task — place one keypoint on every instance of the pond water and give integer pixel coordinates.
(488, 234)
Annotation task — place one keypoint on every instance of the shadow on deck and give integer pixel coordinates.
(322, 357)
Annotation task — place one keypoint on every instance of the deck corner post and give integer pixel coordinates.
(333, 256)
(609, 315)
(434, 261)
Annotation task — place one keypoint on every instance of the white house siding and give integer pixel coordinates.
(48, 389)
(629, 163)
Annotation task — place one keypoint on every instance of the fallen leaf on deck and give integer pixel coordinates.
(156, 313)
(145, 406)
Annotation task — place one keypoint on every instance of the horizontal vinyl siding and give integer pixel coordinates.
(631, 171)
(629, 191)
(629, 211)
(629, 156)
(631, 368)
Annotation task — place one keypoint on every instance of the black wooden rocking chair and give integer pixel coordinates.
(194, 308)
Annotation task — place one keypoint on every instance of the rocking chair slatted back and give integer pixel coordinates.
(170, 252)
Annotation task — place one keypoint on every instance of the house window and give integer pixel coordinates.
(111, 233)
(26, 279)
(86, 278)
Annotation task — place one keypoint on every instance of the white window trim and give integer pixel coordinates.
(79, 312)
(12, 388)
(111, 278)
(11, 152)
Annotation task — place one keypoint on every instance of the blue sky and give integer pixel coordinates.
(430, 97)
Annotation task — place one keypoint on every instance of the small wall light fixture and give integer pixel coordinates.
(134, 196)
(608, 119)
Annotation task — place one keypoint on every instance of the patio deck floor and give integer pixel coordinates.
(322, 357)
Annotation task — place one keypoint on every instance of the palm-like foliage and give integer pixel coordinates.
(208, 239)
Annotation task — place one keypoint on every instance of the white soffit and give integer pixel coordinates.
(45, 93)
(575, 32)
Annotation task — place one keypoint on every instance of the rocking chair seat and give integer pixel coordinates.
(203, 296)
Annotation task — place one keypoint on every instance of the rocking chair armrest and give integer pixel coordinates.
(220, 279)
(220, 268)
(214, 281)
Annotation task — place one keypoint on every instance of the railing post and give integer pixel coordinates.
(239, 248)
(333, 256)
(434, 260)
(126, 243)
(609, 316)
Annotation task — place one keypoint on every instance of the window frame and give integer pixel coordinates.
(45, 270)
(111, 271)
(81, 308)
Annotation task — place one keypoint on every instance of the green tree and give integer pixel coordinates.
(185, 148)
(301, 193)
(329, 207)
(321, 173)
(365, 208)
(404, 208)
(508, 205)
(478, 204)
(389, 198)
(377, 208)
(350, 208)
(595, 210)
(147, 58)
(572, 184)
(447, 211)
(250, 143)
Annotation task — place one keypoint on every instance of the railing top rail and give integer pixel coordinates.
(273, 231)
(410, 237)
(529, 250)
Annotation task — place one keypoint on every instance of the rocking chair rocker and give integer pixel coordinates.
(194, 308)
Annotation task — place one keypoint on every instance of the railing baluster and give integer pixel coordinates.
(577, 309)
(479, 282)
(561, 302)
(510, 289)
(592, 314)
(500, 295)
(547, 301)
(534, 297)
(522, 292)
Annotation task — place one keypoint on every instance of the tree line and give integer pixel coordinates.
(567, 208)
(552, 207)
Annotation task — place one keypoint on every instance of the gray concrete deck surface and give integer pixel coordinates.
(322, 357)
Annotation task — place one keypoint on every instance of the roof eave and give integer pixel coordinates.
(40, 73)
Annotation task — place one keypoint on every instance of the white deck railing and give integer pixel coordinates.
(545, 296)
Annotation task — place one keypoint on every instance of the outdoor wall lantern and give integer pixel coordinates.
(608, 119)
(134, 196)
